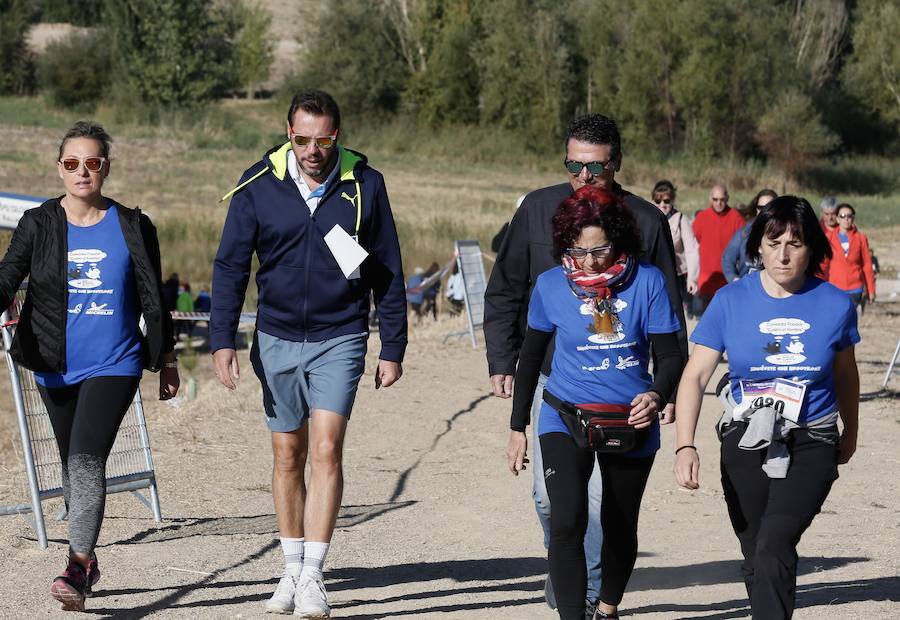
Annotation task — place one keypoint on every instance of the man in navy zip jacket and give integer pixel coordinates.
(309, 209)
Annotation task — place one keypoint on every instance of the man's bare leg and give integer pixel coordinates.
(288, 480)
(326, 485)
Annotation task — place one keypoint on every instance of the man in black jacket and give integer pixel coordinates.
(525, 254)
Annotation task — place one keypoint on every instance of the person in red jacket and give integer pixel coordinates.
(714, 227)
(850, 268)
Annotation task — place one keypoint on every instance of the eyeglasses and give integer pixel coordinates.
(719, 199)
(595, 168)
(92, 164)
(846, 216)
(600, 252)
(323, 142)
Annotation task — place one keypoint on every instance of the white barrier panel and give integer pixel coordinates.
(128, 468)
(12, 206)
(471, 266)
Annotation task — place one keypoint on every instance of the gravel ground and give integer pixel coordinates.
(433, 526)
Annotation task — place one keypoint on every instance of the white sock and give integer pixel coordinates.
(314, 555)
(293, 552)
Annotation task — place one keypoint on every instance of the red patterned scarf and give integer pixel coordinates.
(599, 287)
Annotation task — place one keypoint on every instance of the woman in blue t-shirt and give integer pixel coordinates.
(93, 269)
(603, 309)
(789, 337)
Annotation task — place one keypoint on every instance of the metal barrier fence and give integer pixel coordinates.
(471, 264)
(128, 468)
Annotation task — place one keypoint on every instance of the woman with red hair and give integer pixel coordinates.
(603, 308)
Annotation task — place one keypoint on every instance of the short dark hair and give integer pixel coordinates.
(663, 187)
(592, 206)
(595, 129)
(796, 215)
(87, 129)
(316, 102)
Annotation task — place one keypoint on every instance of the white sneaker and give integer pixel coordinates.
(282, 602)
(310, 599)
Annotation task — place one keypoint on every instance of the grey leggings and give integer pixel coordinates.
(85, 419)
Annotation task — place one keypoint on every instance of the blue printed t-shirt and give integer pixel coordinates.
(792, 338)
(102, 334)
(600, 368)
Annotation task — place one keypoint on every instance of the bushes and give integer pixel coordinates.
(74, 72)
(157, 55)
(16, 63)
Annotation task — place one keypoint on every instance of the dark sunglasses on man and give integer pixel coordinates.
(595, 168)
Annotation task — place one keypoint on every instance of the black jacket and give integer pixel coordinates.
(39, 250)
(527, 252)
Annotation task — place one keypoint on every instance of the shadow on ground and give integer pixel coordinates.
(350, 516)
(815, 595)
(523, 576)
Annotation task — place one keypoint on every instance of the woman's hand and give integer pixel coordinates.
(846, 446)
(168, 383)
(687, 468)
(667, 415)
(517, 451)
(644, 408)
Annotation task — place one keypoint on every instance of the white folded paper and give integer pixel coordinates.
(346, 251)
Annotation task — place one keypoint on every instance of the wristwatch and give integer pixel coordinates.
(172, 364)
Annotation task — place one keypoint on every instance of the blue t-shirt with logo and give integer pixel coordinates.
(601, 368)
(103, 338)
(792, 338)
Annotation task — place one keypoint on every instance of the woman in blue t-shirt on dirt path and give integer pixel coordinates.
(93, 269)
(789, 337)
(603, 308)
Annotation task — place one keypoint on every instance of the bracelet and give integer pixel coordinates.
(170, 364)
(687, 446)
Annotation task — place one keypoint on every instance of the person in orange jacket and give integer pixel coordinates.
(850, 268)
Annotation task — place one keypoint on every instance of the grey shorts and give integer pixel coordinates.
(298, 377)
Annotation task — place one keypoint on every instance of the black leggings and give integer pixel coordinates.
(567, 470)
(770, 515)
(85, 419)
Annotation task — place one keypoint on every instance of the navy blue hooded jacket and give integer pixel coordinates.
(303, 295)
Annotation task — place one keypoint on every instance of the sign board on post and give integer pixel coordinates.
(471, 266)
(12, 206)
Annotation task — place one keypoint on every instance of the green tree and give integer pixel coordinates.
(444, 85)
(16, 63)
(736, 56)
(246, 29)
(77, 12)
(79, 84)
(528, 70)
(167, 50)
(792, 133)
(873, 71)
(355, 55)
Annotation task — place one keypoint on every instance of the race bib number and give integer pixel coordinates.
(783, 395)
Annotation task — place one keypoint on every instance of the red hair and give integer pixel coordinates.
(594, 206)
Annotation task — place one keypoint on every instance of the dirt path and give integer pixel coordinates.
(433, 525)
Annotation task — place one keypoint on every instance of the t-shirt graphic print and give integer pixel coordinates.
(102, 334)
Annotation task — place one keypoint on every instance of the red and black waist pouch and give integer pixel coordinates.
(598, 426)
